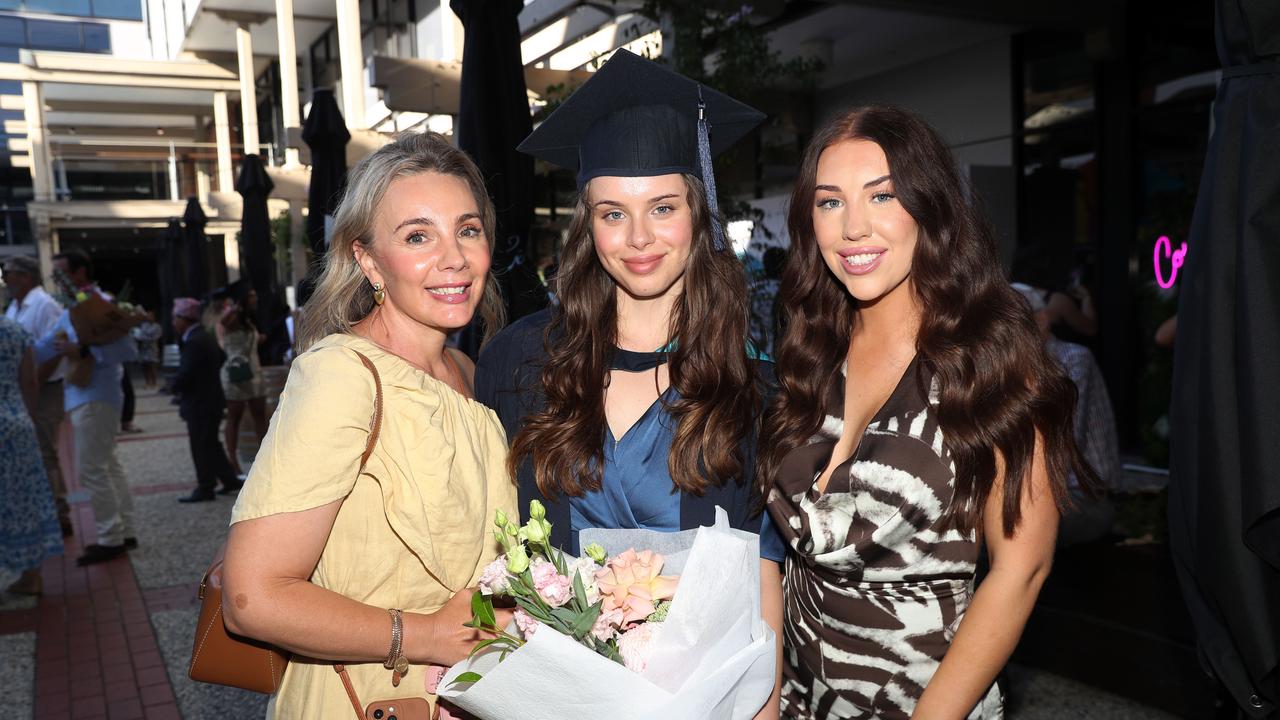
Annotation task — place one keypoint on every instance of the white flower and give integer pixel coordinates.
(586, 569)
(635, 645)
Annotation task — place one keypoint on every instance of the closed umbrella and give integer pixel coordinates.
(493, 118)
(256, 249)
(325, 132)
(193, 222)
(172, 278)
(1224, 492)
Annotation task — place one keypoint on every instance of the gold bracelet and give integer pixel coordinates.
(397, 639)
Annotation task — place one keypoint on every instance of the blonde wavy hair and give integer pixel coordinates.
(343, 296)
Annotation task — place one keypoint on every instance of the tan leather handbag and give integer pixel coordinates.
(223, 658)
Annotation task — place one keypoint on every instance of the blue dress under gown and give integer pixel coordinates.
(636, 486)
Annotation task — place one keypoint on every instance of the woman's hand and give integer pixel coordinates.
(440, 637)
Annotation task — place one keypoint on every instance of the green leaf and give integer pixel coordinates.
(579, 591)
(537, 612)
(482, 609)
(565, 615)
(586, 621)
(486, 643)
(466, 677)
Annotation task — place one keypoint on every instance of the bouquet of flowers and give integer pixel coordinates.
(611, 634)
(607, 604)
(97, 320)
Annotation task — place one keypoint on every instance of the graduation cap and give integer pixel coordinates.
(635, 118)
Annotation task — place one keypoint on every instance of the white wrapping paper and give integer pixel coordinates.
(712, 659)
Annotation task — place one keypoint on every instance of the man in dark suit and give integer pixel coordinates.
(198, 385)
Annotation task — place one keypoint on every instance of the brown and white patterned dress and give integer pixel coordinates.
(875, 586)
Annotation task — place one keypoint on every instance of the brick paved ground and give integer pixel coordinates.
(93, 633)
(112, 641)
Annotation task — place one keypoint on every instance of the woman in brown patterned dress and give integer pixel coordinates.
(919, 418)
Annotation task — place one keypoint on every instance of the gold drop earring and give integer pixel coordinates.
(379, 295)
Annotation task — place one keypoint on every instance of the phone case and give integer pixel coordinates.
(413, 708)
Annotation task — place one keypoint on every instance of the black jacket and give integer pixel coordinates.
(198, 383)
(508, 380)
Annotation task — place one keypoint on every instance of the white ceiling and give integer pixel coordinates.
(136, 95)
(211, 33)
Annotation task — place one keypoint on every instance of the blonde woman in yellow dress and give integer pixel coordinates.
(321, 552)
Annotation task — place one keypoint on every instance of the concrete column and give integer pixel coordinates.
(222, 134)
(231, 253)
(248, 95)
(297, 240)
(37, 136)
(45, 249)
(288, 76)
(174, 194)
(202, 185)
(351, 56)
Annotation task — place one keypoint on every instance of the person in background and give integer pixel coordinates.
(95, 417)
(201, 402)
(130, 403)
(28, 520)
(1095, 430)
(37, 312)
(1068, 304)
(147, 335)
(1167, 332)
(242, 372)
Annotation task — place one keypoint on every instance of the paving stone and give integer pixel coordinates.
(198, 701)
(17, 674)
(178, 539)
(1038, 695)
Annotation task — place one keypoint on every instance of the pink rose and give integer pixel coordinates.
(553, 587)
(606, 625)
(526, 623)
(630, 582)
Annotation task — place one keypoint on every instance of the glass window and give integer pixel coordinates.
(12, 32)
(60, 7)
(53, 35)
(118, 9)
(10, 4)
(97, 38)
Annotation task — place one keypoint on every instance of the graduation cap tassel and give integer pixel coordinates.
(709, 173)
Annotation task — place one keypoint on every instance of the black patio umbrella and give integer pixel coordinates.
(256, 250)
(1224, 494)
(172, 276)
(325, 132)
(193, 222)
(494, 117)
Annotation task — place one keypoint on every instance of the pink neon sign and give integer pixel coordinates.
(1164, 249)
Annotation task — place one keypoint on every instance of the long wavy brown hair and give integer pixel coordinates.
(718, 403)
(998, 386)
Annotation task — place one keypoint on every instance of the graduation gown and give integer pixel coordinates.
(508, 380)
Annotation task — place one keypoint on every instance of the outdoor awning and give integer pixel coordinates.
(434, 87)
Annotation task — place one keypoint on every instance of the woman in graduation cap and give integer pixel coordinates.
(635, 401)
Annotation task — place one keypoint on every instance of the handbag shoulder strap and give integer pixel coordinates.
(375, 423)
(375, 428)
(351, 691)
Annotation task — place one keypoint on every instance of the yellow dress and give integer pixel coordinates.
(414, 527)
